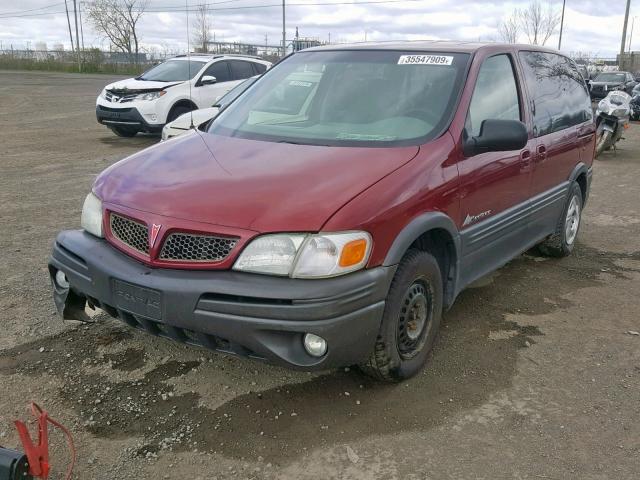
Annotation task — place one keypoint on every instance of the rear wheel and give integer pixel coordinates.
(410, 321)
(562, 242)
(124, 131)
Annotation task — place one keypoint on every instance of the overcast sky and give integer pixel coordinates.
(590, 26)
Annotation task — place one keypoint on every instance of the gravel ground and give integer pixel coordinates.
(534, 374)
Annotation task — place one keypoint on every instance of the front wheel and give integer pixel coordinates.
(178, 111)
(603, 140)
(410, 320)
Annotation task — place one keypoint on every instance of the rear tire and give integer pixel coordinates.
(562, 242)
(124, 131)
(410, 320)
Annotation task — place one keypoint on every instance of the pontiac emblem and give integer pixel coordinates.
(155, 229)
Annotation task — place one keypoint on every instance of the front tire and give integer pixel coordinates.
(562, 242)
(603, 140)
(410, 320)
(177, 111)
(124, 131)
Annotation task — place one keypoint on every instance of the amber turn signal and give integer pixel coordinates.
(353, 252)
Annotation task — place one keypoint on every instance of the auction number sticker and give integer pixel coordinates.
(425, 60)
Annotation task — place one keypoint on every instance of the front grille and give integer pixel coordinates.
(188, 247)
(133, 234)
(114, 97)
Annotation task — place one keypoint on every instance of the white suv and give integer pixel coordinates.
(166, 91)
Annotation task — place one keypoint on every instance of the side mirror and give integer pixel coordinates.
(208, 80)
(497, 136)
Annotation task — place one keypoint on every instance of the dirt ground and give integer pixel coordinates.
(534, 374)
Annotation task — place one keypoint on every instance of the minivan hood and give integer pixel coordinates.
(246, 184)
(139, 85)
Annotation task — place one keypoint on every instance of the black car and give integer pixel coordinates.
(607, 81)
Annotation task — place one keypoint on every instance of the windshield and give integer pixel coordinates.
(610, 77)
(173, 71)
(232, 94)
(362, 97)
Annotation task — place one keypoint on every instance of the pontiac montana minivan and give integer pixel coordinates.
(331, 213)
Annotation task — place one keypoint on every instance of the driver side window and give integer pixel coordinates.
(495, 95)
(220, 70)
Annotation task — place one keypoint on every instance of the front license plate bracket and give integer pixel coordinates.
(137, 300)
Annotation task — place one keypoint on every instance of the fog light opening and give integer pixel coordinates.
(61, 279)
(314, 345)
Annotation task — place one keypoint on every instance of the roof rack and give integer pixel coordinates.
(184, 55)
(218, 55)
(241, 55)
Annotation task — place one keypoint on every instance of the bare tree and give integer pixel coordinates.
(202, 25)
(539, 23)
(509, 28)
(117, 20)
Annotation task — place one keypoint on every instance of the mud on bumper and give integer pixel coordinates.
(256, 316)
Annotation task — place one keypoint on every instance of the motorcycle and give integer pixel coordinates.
(612, 119)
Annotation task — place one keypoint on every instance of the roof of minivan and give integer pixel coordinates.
(428, 45)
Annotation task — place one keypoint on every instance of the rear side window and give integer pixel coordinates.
(241, 70)
(220, 70)
(558, 93)
(495, 95)
(259, 68)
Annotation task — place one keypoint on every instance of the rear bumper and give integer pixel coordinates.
(252, 315)
(128, 117)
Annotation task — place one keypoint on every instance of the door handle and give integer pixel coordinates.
(525, 159)
(542, 152)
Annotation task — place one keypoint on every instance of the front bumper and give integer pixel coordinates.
(129, 117)
(257, 316)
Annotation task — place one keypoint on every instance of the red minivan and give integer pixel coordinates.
(330, 214)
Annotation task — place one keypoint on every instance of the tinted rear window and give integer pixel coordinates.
(557, 90)
(241, 70)
(259, 68)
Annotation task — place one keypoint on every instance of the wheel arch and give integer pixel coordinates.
(182, 102)
(580, 174)
(436, 233)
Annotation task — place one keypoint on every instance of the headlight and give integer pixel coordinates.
(273, 254)
(91, 220)
(306, 255)
(150, 95)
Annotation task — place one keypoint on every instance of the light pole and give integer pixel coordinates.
(633, 21)
(624, 28)
(284, 39)
(561, 24)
